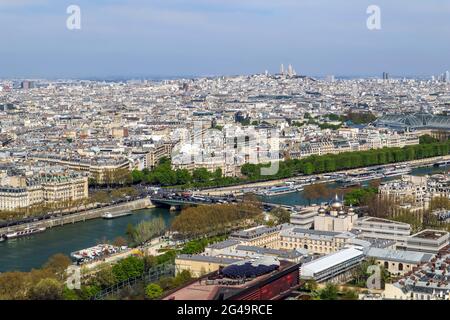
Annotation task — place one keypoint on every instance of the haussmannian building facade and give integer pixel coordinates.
(46, 189)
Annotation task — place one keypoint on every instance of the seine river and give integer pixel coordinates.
(23, 254)
(26, 253)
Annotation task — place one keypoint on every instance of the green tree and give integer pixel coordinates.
(217, 175)
(282, 215)
(47, 289)
(311, 285)
(183, 176)
(315, 191)
(166, 283)
(201, 175)
(330, 292)
(58, 264)
(360, 196)
(153, 291)
(250, 170)
(330, 165)
(88, 292)
(308, 168)
(69, 294)
(13, 285)
(427, 139)
(130, 232)
(349, 294)
(146, 230)
(150, 261)
(137, 176)
(129, 267)
(105, 277)
(182, 278)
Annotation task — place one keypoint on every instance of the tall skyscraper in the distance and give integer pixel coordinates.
(330, 78)
(26, 84)
(447, 76)
(282, 69)
(385, 76)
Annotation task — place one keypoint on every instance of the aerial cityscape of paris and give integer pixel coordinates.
(272, 151)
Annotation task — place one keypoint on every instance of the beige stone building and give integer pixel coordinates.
(316, 242)
(23, 193)
(199, 265)
(64, 188)
(260, 236)
(399, 262)
(98, 168)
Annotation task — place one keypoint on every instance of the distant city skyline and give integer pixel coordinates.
(163, 39)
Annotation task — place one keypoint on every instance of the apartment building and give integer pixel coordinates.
(44, 189)
(412, 189)
(59, 188)
(98, 168)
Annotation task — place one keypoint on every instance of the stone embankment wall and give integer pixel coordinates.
(84, 215)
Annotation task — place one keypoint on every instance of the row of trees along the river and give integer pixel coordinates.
(164, 175)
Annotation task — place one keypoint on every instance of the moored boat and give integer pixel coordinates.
(109, 215)
(396, 171)
(24, 233)
(279, 190)
(356, 178)
(442, 163)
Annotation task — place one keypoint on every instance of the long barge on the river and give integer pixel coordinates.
(23, 233)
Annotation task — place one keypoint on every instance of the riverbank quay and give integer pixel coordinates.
(243, 188)
(151, 248)
(83, 215)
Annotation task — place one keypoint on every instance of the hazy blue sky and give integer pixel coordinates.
(206, 37)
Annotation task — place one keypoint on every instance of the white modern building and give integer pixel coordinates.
(334, 267)
(377, 228)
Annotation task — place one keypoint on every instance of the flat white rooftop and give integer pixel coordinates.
(331, 260)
